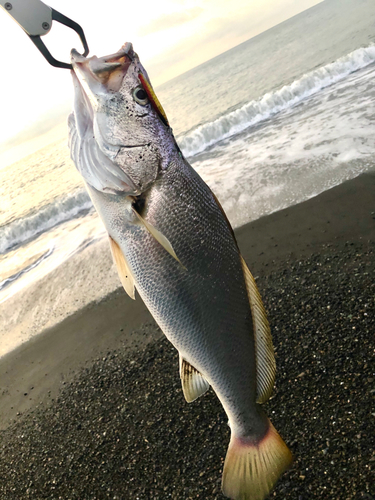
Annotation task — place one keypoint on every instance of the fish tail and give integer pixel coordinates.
(252, 466)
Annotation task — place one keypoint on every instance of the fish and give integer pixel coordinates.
(172, 243)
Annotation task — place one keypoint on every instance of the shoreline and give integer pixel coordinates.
(50, 358)
(93, 407)
(63, 292)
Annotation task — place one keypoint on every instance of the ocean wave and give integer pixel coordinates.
(61, 210)
(26, 269)
(271, 103)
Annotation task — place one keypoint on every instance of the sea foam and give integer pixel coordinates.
(196, 141)
(271, 103)
(49, 216)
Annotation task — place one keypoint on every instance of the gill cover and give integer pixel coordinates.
(118, 142)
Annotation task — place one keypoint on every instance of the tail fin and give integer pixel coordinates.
(251, 468)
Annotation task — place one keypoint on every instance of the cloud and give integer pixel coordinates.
(170, 21)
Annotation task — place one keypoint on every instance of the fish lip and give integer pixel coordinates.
(108, 71)
(125, 50)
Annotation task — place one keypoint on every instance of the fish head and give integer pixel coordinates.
(117, 114)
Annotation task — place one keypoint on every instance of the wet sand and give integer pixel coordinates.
(92, 408)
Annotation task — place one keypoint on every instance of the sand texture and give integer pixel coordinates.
(93, 408)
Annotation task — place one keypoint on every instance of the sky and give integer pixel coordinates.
(170, 36)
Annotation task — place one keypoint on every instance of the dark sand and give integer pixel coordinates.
(93, 408)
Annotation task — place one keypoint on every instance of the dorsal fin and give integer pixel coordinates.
(123, 270)
(265, 358)
(193, 383)
(153, 99)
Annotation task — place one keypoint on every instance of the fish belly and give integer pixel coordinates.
(201, 305)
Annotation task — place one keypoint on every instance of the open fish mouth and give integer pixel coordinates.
(108, 71)
(98, 156)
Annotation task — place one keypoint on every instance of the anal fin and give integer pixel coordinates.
(123, 270)
(265, 358)
(193, 383)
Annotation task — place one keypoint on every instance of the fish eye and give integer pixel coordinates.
(140, 96)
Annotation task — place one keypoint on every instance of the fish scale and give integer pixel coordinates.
(201, 305)
(172, 241)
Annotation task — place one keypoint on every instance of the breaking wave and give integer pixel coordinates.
(61, 210)
(15, 276)
(196, 141)
(271, 103)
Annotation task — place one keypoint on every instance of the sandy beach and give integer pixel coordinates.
(93, 409)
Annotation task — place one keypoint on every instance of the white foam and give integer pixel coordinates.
(305, 151)
(60, 210)
(271, 103)
(68, 207)
(16, 276)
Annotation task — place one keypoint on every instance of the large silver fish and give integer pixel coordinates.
(171, 241)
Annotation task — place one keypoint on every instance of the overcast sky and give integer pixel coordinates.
(170, 36)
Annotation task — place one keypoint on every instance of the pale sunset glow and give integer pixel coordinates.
(250, 178)
(171, 37)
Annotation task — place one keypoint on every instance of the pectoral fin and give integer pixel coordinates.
(159, 237)
(193, 383)
(123, 270)
(265, 359)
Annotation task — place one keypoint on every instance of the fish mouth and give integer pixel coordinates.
(108, 71)
(94, 77)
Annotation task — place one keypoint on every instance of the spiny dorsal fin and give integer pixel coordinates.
(193, 383)
(164, 242)
(123, 270)
(265, 359)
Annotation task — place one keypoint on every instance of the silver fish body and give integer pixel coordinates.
(197, 306)
(193, 280)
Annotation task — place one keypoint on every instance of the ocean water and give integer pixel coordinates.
(272, 122)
